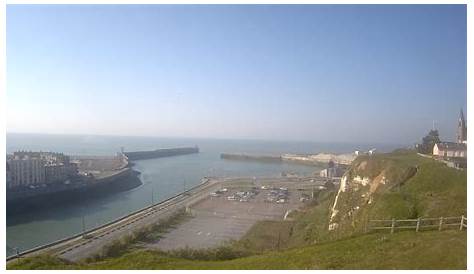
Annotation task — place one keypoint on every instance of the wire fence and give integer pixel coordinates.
(419, 224)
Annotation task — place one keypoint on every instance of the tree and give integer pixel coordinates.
(428, 142)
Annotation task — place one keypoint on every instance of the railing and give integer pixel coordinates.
(419, 224)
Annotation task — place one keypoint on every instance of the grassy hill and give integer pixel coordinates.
(413, 187)
(404, 250)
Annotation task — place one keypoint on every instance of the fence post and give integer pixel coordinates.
(418, 225)
(393, 226)
(440, 223)
(462, 222)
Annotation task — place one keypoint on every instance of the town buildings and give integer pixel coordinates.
(450, 150)
(35, 168)
(333, 170)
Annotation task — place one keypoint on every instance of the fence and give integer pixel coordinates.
(419, 224)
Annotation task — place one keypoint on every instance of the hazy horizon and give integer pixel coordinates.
(322, 73)
(210, 138)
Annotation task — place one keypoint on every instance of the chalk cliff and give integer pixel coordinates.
(359, 188)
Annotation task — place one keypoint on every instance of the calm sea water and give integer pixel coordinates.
(165, 176)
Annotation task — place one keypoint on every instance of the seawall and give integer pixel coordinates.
(42, 198)
(310, 159)
(158, 153)
(245, 157)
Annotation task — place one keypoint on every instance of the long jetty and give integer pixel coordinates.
(248, 157)
(306, 159)
(158, 153)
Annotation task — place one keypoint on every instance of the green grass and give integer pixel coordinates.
(434, 190)
(133, 241)
(403, 250)
(308, 226)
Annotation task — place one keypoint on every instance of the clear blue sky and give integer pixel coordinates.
(323, 73)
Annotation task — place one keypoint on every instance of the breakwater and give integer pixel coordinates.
(246, 157)
(305, 159)
(158, 153)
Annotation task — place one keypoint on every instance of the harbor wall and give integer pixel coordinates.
(158, 153)
(321, 159)
(246, 157)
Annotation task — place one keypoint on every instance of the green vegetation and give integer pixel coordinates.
(403, 250)
(414, 187)
(227, 251)
(146, 234)
(308, 226)
(429, 141)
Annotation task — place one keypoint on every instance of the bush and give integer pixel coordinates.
(224, 252)
(147, 233)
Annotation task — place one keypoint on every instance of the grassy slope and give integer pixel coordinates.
(309, 227)
(435, 190)
(404, 250)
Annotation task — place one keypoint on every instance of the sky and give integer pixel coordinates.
(339, 73)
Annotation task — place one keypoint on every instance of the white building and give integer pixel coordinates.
(450, 150)
(331, 172)
(26, 172)
(34, 168)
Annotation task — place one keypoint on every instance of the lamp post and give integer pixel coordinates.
(152, 195)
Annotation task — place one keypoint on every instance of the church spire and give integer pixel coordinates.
(462, 129)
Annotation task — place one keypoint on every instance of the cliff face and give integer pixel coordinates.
(367, 177)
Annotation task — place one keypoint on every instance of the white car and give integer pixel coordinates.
(281, 201)
(263, 187)
(224, 190)
(213, 194)
(231, 198)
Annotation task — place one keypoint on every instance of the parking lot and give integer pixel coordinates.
(228, 215)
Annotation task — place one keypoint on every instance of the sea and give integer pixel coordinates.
(161, 178)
